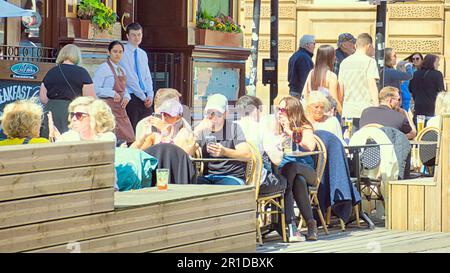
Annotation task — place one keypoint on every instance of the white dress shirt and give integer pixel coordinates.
(104, 81)
(127, 62)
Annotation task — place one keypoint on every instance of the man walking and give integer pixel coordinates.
(357, 79)
(300, 64)
(139, 81)
(346, 47)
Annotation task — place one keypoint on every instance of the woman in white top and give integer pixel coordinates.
(442, 107)
(322, 77)
(89, 119)
(317, 105)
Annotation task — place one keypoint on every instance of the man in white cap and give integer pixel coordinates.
(300, 64)
(229, 142)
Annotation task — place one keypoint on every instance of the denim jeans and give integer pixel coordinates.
(214, 179)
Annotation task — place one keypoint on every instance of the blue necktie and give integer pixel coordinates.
(136, 65)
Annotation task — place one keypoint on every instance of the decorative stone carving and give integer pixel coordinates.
(285, 12)
(284, 45)
(430, 45)
(416, 11)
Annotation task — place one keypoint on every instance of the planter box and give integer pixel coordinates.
(89, 31)
(217, 38)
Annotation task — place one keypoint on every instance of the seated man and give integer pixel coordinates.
(386, 114)
(230, 143)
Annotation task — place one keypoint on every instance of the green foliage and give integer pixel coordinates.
(221, 23)
(99, 14)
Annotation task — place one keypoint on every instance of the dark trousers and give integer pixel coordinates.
(299, 177)
(136, 111)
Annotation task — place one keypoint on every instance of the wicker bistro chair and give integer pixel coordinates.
(321, 160)
(427, 153)
(370, 162)
(266, 204)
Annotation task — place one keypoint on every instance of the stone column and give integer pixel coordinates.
(287, 41)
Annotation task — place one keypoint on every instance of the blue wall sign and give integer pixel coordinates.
(24, 71)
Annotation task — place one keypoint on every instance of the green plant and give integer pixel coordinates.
(221, 23)
(99, 14)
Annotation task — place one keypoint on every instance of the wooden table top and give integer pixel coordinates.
(174, 193)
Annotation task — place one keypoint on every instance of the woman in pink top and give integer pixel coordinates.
(322, 78)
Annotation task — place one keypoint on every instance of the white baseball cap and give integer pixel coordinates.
(171, 107)
(217, 102)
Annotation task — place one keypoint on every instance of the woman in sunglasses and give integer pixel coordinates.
(425, 86)
(89, 119)
(299, 171)
(416, 59)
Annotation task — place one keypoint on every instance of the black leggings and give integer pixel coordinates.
(299, 177)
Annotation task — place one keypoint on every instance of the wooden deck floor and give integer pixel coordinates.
(362, 240)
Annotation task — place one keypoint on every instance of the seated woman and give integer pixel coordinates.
(90, 119)
(299, 171)
(167, 127)
(316, 105)
(21, 122)
(442, 107)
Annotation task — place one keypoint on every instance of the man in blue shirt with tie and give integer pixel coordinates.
(139, 80)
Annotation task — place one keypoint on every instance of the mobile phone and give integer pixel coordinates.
(210, 140)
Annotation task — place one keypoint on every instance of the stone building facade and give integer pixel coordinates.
(411, 26)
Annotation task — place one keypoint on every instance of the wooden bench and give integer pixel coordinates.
(423, 204)
(60, 198)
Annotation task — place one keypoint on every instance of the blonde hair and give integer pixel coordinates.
(164, 94)
(22, 119)
(388, 92)
(442, 103)
(69, 52)
(318, 97)
(102, 118)
(363, 40)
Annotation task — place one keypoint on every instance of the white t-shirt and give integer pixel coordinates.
(354, 73)
(331, 124)
(71, 136)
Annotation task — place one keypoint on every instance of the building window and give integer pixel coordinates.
(216, 7)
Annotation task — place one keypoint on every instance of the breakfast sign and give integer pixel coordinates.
(20, 80)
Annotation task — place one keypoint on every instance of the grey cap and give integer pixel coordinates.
(344, 37)
(306, 39)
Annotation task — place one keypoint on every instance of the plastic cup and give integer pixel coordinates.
(420, 123)
(162, 179)
(349, 124)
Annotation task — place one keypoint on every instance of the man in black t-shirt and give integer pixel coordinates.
(386, 115)
(230, 143)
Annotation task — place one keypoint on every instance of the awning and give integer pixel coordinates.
(11, 10)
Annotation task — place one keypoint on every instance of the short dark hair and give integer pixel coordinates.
(428, 62)
(113, 44)
(133, 26)
(247, 104)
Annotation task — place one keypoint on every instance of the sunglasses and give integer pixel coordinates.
(416, 59)
(78, 115)
(282, 110)
(214, 114)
